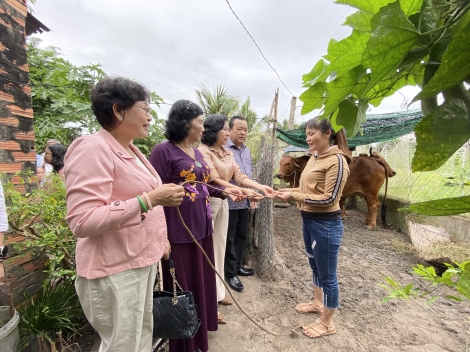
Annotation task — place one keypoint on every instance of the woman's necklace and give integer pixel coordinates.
(198, 164)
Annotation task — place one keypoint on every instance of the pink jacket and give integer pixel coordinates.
(102, 181)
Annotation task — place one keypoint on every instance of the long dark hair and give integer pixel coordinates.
(336, 138)
(58, 152)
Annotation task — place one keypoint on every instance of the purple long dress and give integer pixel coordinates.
(192, 271)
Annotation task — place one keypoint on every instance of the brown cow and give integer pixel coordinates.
(367, 175)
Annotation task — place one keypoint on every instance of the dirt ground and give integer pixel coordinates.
(363, 322)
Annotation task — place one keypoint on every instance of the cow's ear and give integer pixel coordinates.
(370, 151)
(296, 165)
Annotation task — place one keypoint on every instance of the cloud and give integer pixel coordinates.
(173, 46)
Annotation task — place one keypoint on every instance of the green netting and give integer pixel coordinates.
(378, 128)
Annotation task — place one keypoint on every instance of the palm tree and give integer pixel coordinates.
(220, 101)
(248, 114)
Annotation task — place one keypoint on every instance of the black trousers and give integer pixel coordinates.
(237, 235)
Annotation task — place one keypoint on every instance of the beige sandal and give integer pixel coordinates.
(226, 301)
(221, 318)
(301, 308)
(330, 329)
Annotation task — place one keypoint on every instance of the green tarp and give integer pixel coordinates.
(378, 128)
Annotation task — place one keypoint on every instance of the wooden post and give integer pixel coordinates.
(276, 99)
(292, 113)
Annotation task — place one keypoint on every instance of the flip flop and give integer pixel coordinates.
(221, 319)
(300, 308)
(330, 329)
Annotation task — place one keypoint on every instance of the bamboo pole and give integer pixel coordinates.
(293, 103)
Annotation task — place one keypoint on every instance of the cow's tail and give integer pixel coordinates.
(383, 208)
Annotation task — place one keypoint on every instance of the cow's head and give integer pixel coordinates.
(377, 155)
(287, 166)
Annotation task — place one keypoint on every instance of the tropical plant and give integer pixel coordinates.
(422, 43)
(219, 101)
(457, 276)
(250, 116)
(222, 101)
(60, 93)
(55, 309)
(40, 217)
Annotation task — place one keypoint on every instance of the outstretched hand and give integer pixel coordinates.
(268, 191)
(284, 194)
(253, 196)
(235, 194)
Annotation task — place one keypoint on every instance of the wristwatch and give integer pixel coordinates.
(3, 252)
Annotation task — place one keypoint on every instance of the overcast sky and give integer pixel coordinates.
(174, 46)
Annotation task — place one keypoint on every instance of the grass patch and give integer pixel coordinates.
(402, 247)
(457, 251)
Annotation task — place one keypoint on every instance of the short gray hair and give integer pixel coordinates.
(52, 141)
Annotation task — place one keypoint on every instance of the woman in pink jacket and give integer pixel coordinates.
(114, 203)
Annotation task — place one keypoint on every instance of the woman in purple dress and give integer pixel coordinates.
(176, 162)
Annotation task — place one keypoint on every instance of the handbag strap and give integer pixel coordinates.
(175, 282)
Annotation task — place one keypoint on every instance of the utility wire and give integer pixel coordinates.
(336, 25)
(264, 57)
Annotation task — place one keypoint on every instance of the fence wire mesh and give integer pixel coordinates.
(446, 182)
(268, 259)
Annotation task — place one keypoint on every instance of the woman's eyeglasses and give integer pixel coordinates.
(147, 109)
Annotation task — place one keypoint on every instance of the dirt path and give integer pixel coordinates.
(363, 322)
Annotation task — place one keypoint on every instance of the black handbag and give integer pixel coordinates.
(174, 313)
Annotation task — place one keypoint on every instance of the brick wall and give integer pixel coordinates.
(23, 268)
(16, 115)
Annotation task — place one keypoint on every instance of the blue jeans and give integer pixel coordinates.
(322, 240)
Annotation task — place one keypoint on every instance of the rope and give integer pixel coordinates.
(293, 172)
(292, 332)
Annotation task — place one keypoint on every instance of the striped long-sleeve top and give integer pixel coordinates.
(322, 182)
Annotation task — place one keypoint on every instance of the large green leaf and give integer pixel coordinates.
(393, 36)
(351, 116)
(440, 134)
(348, 52)
(359, 20)
(370, 6)
(463, 284)
(442, 207)
(428, 19)
(454, 68)
(388, 87)
(318, 73)
(413, 57)
(409, 7)
(339, 88)
(313, 97)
